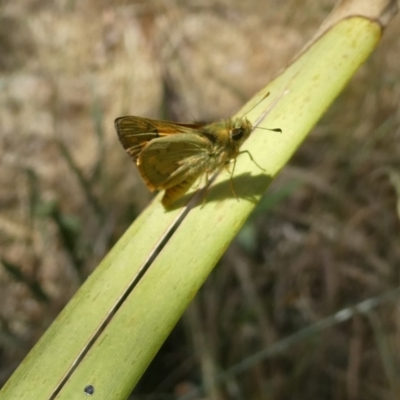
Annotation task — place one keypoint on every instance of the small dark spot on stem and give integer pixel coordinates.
(89, 389)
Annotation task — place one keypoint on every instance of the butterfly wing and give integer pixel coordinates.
(135, 132)
(174, 163)
(169, 156)
(177, 191)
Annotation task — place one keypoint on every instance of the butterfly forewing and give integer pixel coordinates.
(135, 132)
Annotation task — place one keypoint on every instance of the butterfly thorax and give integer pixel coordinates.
(227, 137)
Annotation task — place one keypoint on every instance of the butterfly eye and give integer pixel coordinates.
(237, 133)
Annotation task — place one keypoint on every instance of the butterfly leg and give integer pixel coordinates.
(252, 159)
(206, 185)
(198, 183)
(231, 180)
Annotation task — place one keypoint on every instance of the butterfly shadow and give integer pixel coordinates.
(246, 187)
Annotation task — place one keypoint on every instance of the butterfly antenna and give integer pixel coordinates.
(255, 105)
(267, 111)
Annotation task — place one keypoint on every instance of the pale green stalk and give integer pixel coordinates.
(115, 360)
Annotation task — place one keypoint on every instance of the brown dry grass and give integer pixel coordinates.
(67, 190)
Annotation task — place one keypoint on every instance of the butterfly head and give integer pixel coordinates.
(240, 130)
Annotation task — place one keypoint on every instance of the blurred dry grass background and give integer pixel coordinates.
(325, 237)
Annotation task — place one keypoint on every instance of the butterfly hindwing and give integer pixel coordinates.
(166, 163)
(177, 191)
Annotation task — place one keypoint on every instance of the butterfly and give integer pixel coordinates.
(172, 156)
